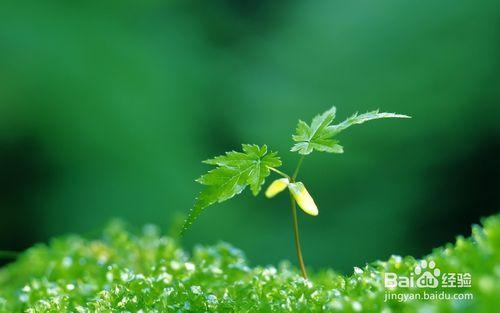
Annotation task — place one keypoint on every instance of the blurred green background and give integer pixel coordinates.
(107, 109)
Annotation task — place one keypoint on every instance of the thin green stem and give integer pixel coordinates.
(294, 215)
(299, 164)
(279, 172)
(296, 223)
(297, 237)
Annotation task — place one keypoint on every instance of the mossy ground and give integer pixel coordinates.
(151, 273)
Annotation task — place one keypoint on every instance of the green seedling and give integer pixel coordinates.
(234, 171)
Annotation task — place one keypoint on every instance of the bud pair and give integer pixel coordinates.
(298, 191)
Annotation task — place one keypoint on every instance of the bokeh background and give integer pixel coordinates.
(107, 109)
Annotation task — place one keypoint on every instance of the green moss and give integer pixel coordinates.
(125, 272)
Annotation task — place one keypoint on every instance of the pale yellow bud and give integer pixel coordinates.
(276, 187)
(303, 198)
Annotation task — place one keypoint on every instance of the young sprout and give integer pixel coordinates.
(234, 171)
(298, 191)
(276, 187)
(303, 198)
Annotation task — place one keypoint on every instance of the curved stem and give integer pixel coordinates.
(296, 223)
(297, 237)
(294, 215)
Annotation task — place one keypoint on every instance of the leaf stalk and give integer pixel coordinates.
(279, 172)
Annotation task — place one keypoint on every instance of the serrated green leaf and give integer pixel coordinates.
(233, 173)
(311, 138)
(333, 130)
(319, 135)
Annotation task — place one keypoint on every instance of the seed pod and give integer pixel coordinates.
(276, 187)
(303, 198)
